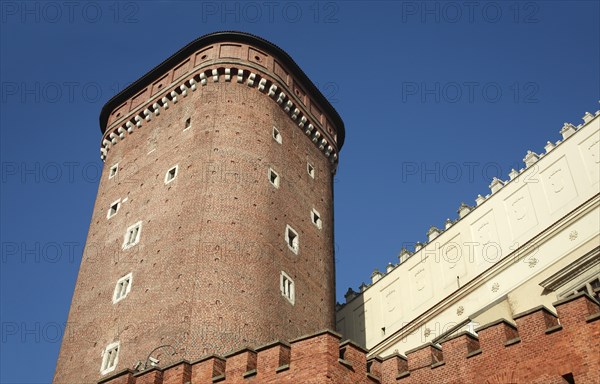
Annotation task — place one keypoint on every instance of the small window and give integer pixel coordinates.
(114, 207)
(273, 178)
(171, 174)
(110, 358)
(122, 288)
(316, 219)
(287, 287)
(276, 135)
(113, 171)
(310, 169)
(188, 123)
(132, 236)
(291, 238)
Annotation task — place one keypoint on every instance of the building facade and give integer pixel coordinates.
(533, 240)
(213, 224)
(210, 254)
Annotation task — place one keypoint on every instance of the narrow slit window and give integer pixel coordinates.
(114, 208)
(122, 288)
(277, 135)
(286, 285)
(112, 172)
(274, 178)
(110, 358)
(291, 238)
(310, 169)
(132, 236)
(188, 123)
(316, 219)
(171, 174)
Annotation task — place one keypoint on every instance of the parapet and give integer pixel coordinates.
(531, 158)
(225, 57)
(541, 348)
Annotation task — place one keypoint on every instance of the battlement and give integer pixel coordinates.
(530, 160)
(542, 347)
(224, 57)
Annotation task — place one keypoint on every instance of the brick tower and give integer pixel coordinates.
(213, 225)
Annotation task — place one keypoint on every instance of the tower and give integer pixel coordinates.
(212, 229)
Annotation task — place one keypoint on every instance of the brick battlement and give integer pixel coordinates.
(542, 348)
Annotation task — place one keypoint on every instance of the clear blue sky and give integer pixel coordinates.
(437, 98)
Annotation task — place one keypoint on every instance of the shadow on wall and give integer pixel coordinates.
(353, 325)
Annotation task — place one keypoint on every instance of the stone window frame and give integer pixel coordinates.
(276, 134)
(110, 358)
(171, 173)
(287, 287)
(310, 169)
(128, 242)
(275, 181)
(111, 212)
(293, 242)
(315, 218)
(121, 289)
(113, 171)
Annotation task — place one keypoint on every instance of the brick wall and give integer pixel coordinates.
(540, 349)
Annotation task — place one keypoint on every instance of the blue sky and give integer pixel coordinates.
(437, 98)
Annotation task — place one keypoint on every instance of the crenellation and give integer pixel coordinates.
(463, 210)
(424, 356)
(479, 200)
(496, 334)
(535, 322)
(433, 232)
(289, 107)
(448, 223)
(464, 357)
(530, 158)
(376, 276)
(496, 185)
(587, 117)
(459, 347)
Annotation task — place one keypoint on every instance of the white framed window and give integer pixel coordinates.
(274, 178)
(316, 218)
(122, 288)
(132, 235)
(291, 238)
(112, 172)
(311, 170)
(188, 123)
(113, 209)
(286, 285)
(171, 174)
(110, 358)
(277, 135)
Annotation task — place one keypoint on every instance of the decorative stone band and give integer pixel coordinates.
(259, 81)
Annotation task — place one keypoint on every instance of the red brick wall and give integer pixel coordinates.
(542, 353)
(206, 271)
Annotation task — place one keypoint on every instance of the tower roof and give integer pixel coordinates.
(211, 38)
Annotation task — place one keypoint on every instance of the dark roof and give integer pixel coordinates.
(211, 38)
